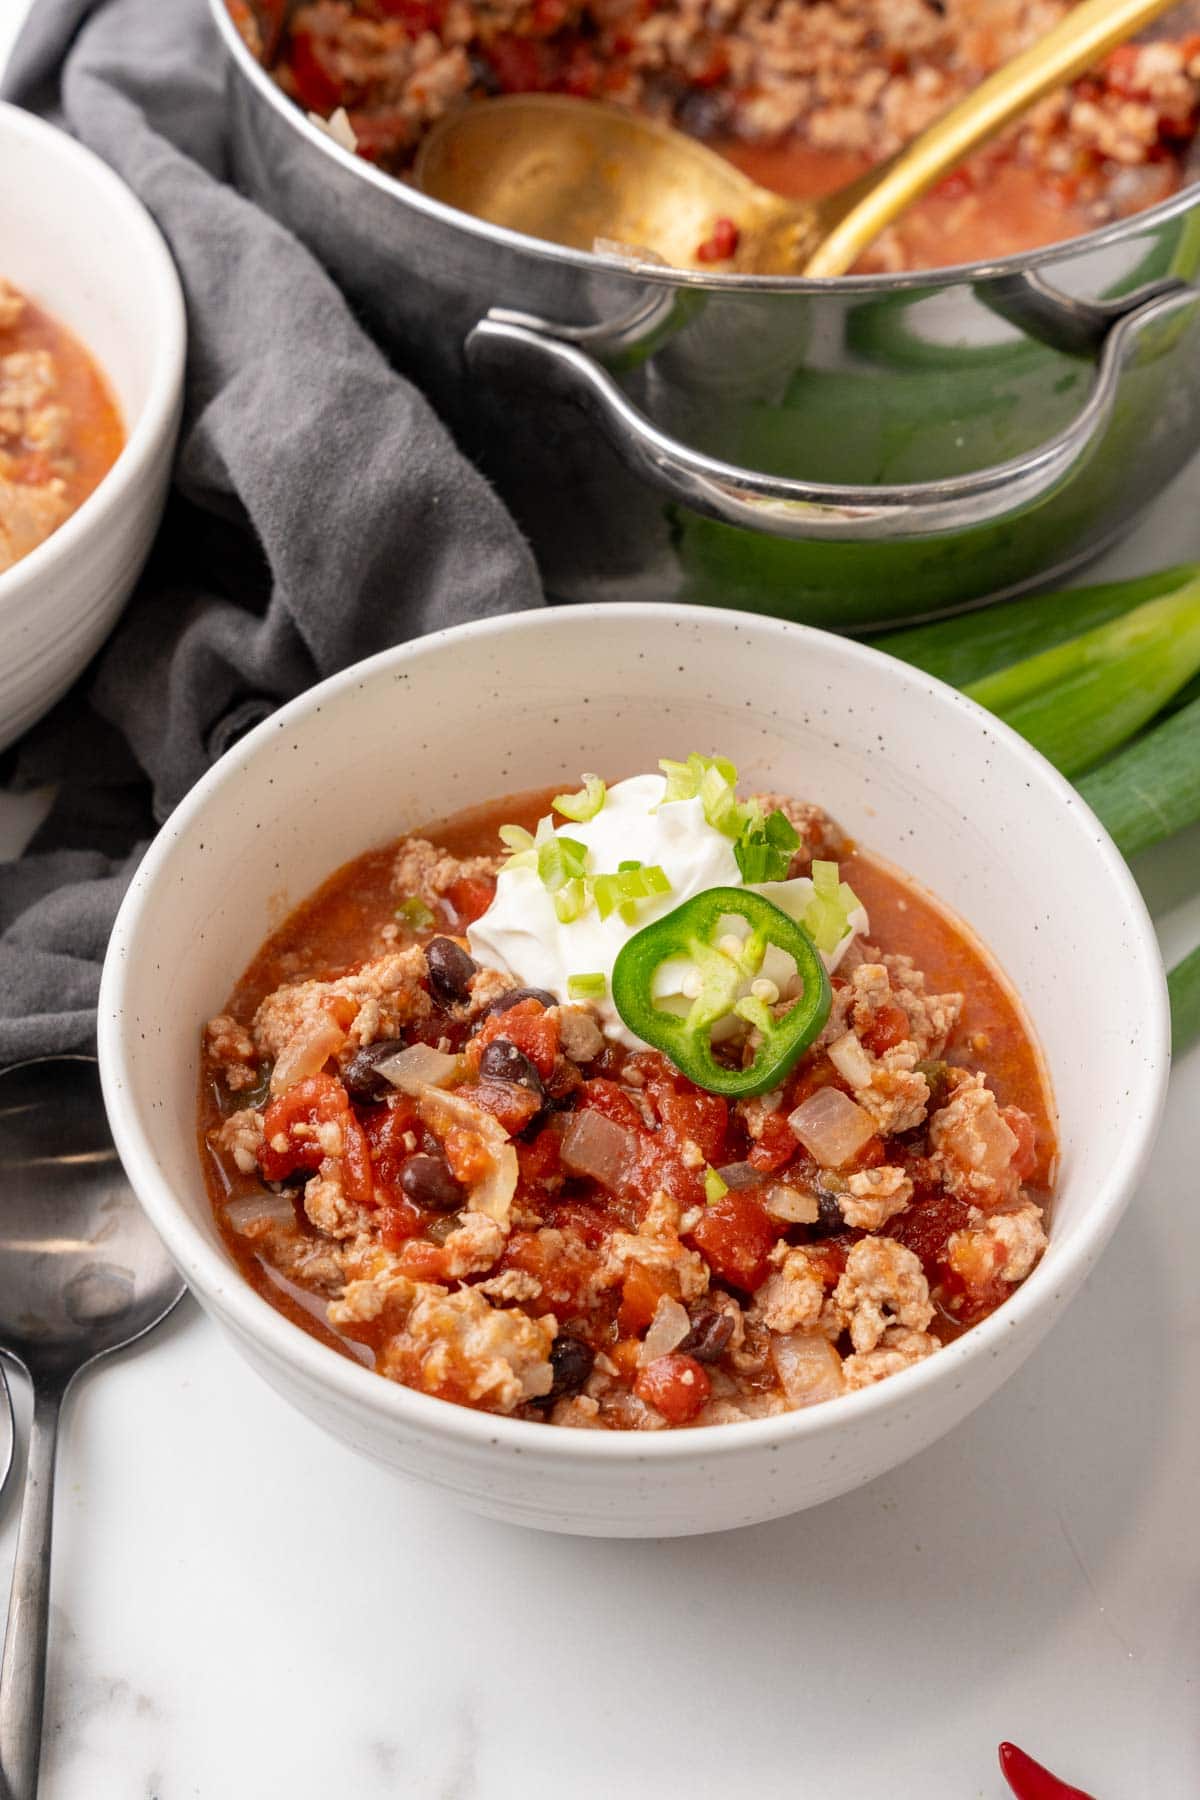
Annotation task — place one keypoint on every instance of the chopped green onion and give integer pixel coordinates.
(714, 1187)
(515, 837)
(627, 887)
(1081, 699)
(414, 913)
(826, 918)
(623, 866)
(587, 987)
(1151, 788)
(1183, 985)
(684, 779)
(718, 797)
(585, 804)
(765, 848)
(572, 900)
(560, 860)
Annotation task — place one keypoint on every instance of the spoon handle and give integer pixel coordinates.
(1078, 41)
(23, 1669)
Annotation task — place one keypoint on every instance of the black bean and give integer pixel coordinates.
(361, 1078)
(571, 1359)
(502, 1061)
(709, 1337)
(450, 970)
(428, 1182)
(514, 996)
(829, 1220)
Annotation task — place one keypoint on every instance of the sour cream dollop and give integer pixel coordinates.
(522, 934)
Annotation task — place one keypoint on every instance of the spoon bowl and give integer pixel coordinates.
(82, 1273)
(594, 176)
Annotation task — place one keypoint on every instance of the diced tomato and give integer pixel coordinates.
(422, 1261)
(399, 1220)
(469, 1157)
(520, 65)
(641, 1291)
(416, 16)
(547, 16)
(1025, 1157)
(721, 245)
(565, 1267)
(708, 73)
(604, 1096)
(776, 1145)
(386, 1128)
(317, 1100)
(527, 1025)
(470, 897)
(581, 73)
(357, 1181)
(316, 88)
(735, 1237)
(540, 1161)
(827, 1259)
(926, 1225)
(888, 1028)
(513, 1105)
(697, 1117)
(676, 1386)
(814, 1072)
(870, 1156)
(956, 185)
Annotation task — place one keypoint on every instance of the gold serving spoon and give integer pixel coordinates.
(577, 171)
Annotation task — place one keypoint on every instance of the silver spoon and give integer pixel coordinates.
(81, 1273)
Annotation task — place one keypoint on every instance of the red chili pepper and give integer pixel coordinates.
(1030, 1781)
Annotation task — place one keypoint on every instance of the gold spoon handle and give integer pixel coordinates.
(1076, 42)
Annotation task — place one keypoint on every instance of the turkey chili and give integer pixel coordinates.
(678, 1110)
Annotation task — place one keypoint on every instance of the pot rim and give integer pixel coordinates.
(1185, 200)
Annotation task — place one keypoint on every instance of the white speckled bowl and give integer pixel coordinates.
(919, 774)
(75, 240)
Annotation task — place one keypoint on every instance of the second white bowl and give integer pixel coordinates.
(75, 240)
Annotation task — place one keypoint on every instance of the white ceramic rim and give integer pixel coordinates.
(209, 1270)
(165, 297)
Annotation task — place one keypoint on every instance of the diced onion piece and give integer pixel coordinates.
(668, 1328)
(596, 1147)
(419, 1066)
(585, 804)
(740, 1175)
(831, 1127)
(794, 1206)
(808, 1367)
(851, 1060)
(247, 1213)
(307, 1051)
(444, 1112)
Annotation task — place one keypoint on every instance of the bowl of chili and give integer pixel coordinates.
(918, 773)
(92, 338)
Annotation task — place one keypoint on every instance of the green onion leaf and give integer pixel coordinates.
(1183, 985)
(585, 804)
(622, 867)
(765, 847)
(1151, 788)
(560, 860)
(1081, 699)
(587, 987)
(414, 913)
(826, 918)
(974, 644)
(684, 779)
(714, 1187)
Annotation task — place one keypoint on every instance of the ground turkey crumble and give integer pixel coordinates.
(451, 1237)
(851, 77)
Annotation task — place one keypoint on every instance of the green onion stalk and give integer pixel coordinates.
(1105, 681)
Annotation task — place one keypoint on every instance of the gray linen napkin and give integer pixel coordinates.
(319, 511)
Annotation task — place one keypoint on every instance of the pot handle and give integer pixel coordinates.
(518, 349)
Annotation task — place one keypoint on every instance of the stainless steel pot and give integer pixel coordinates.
(846, 452)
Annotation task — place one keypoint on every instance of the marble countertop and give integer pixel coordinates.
(242, 1609)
